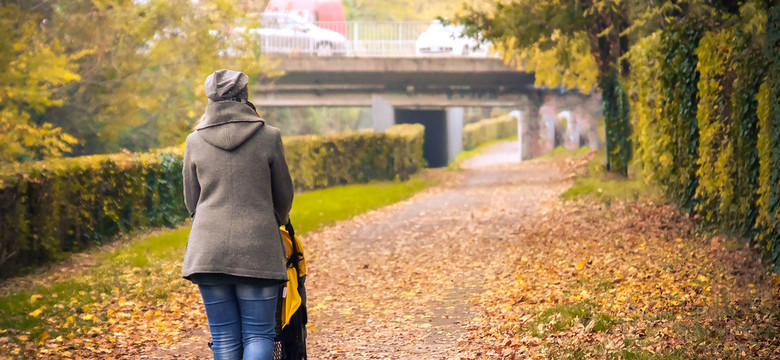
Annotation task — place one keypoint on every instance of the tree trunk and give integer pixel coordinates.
(607, 47)
(617, 124)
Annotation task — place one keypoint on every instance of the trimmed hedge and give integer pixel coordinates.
(49, 208)
(483, 131)
(355, 157)
(52, 207)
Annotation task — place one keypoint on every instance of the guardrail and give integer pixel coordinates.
(361, 38)
(378, 38)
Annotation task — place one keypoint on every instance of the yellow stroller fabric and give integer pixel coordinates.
(292, 299)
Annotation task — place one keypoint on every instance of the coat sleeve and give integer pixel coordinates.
(281, 182)
(191, 184)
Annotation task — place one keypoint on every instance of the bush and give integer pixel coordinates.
(49, 208)
(355, 157)
(478, 133)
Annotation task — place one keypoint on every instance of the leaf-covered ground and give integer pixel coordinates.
(632, 280)
(489, 265)
(127, 300)
(496, 266)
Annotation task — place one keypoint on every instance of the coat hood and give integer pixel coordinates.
(228, 124)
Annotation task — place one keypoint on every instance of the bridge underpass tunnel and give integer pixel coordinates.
(443, 132)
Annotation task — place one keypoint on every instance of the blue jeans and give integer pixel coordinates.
(242, 319)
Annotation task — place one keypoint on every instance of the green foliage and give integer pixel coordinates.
(55, 206)
(586, 43)
(484, 131)
(678, 104)
(577, 71)
(354, 157)
(572, 42)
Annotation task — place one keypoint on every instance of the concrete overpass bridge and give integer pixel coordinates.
(403, 81)
(427, 90)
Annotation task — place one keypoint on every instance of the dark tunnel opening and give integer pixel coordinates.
(435, 137)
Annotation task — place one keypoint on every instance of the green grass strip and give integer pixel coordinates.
(149, 268)
(313, 210)
(606, 188)
(560, 151)
(562, 317)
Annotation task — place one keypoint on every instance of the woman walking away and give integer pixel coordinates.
(238, 191)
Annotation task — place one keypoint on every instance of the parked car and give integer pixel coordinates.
(286, 33)
(328, 14)
(440, 39)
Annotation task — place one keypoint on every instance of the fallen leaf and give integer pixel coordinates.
(37, 312)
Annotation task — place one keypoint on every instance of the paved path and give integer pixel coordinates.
(507, 152)
(397, 283)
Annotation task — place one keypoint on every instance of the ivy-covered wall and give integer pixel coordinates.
(678, 105)
(645, 92)
(49, 208)
(705, 101)
(769, 105)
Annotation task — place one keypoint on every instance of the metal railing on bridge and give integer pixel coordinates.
(378, 38)
(362, 38)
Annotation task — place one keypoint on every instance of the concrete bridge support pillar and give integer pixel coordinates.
(454, 132)
(524, 139)
(382, 112)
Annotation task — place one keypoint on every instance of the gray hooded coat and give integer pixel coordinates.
(236, 186)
